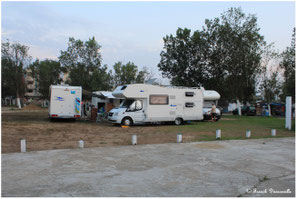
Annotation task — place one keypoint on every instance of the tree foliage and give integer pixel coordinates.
(7, 78)
(46, 72)
(183, 58)
(83, 62)
(224, 56)
(288, 64)
(269, 79)
(14, 60)
(128, 74)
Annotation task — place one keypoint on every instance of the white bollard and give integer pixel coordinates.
(288, 112)
(23, 145)
(134, 139)
(81, 144)
(179, 138)
(273, 132)
(248, 134)
(218, 134)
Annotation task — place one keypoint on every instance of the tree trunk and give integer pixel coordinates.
(19, 103)
(238, 108)
(269, 110)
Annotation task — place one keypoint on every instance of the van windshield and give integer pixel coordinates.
(208, 104)
(126, 103)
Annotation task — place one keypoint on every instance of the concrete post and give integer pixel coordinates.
(248, 134)
(23, 145)
(273, 132)
(81, 144)
(134, 139)
(179, 138)
(288, 112)
(218, 134)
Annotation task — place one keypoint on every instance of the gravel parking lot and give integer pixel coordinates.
(258, 167)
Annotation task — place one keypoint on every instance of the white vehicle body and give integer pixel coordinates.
(65, 101)
(146, 103)
(210, 97)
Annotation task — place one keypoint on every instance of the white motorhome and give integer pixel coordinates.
(65, 101)
(146, 103)
(210, 97)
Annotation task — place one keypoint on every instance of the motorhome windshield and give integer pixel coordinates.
(126, 103)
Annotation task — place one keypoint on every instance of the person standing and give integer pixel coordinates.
(213, 112)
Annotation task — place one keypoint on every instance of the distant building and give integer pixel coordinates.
(31, 85)
(65, 77)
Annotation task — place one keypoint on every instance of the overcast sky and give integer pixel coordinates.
(129, 31)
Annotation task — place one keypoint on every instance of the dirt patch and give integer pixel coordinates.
(32, 107)
(210, 146)
(42, 134)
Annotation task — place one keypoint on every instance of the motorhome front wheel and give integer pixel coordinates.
(127, 122)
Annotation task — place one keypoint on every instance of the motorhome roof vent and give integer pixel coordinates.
(124, 87)
(189, 94)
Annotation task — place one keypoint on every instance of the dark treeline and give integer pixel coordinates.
(227, 56)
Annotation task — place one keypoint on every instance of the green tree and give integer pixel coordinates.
(224, 56)
(271, 87)
(46, 72)
(128, 74)
(269, 78)
(288, 65)
(83, 62)
(14, 59)
(7, 78)
(183, 58)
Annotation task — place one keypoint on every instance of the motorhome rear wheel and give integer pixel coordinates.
(178, 121)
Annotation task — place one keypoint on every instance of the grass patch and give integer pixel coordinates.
(234, 128)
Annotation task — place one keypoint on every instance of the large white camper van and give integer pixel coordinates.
(65, 101)
(210, 97)
(146, 103)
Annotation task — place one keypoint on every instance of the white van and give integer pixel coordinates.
(210, 97)
(146, 103)
(65, 101)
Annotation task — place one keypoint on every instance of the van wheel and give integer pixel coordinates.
(178, 121)
(127, 121)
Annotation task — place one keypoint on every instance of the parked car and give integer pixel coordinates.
(246, 110)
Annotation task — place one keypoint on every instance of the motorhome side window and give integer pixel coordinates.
(189, 94)
(190, 104)
(159, 99)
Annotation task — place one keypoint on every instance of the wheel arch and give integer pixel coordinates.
(129, 118)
